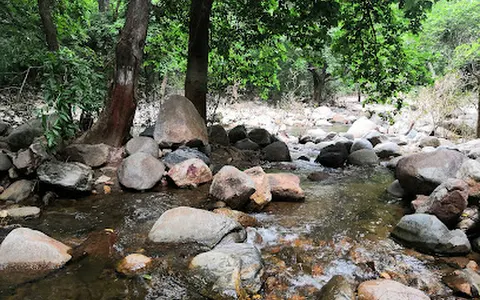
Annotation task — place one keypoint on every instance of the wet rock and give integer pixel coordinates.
(99, 244)
(384, 289)
(419, 201)
(18, 191)
(469, 219)
(231, 268)
(178, 123)
(260, 136)
(4, 128)
(233, 187)
(262, 195)
(306, 139)
(396, 190)
(22, 136)
(277, 151)
(422, 173)
(182, 154)
(337, 288)
(71, 176)
(318, 176)
(23, 212)
(28, 249)
(387, 149)
(447, 201)
(134, 264)
(218, 135)
(361, 127)
(26, 162)
(375, 138)
(285, 187)
(237, 133)
(90, 155)
(465, 282)
(333, 156)
(148, 132)
(393, 162)
(427, 233)
(364, 157)
(470, 169)
(476, 244)
(190, 225)
(5, 162)
(246, 144)
(316, 134)
(429, 141)
(242, 218)
(190, 173)
(359, 144)
(140, 171)
(142, 144)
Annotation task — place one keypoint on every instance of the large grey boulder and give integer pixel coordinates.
(422, 173)
(469, 170)
(361, 127)
(385, 289)
(260, 136)
(333, 156)
(218, 135)
(363, 157)
(178, 123)
(182, 154)
(387, 149)
(427, 233)
(140, 171)
(190, 225)
(237, 133)
(5, 162)
(72, 176)
(23, 136)
(359, 144)
(18, 191)
(233, 187)
(142, 144)
(231, 267)
(277, 151)
(90, 155)
(246, 144)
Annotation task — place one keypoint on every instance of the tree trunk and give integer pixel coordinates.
(197, 65)
(113, 125)
(45, 10)
(103, 5)
(478, 108)
(319, 81)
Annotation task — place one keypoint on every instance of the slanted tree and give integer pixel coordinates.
(114, 123)
(49, 29)
(197, 64)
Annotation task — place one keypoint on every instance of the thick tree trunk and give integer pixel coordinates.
(45, 10)
(319, 81)
(197, 65)
(103, 5)
(113, 125)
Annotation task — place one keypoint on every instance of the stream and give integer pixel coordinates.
(342, 228)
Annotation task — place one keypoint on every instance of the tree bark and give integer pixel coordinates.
(103, 5)
(113, 125)
(478, 108)
(197, 65)
(45, 10)
(319, 81)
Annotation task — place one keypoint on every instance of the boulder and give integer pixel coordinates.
(260, 136)
(182, 154)
(22, 136)
(232, 186)
(470, 169)
(427, 233)
(337, 288)
(361, 127)
(422, 173)
(262, 195)
(316, 134)
(396, 190)
(464, 282)
(4, 128)
(285, 187)
(5, 162)
(231, 268)
(26, 161)
(237, 133)
(18, 191)
(178, 123)
(246, 144)
(190, 173)
(384, 289)
(387, 149)
(190, 225)
(23, 212)
(242, 218)
(140, 171)
(363, 157)
(318, 176)
(359, 144)
(90, 155)
(322, 113)
(218, 135)
(72, 176)
(142, 144)
(469, 220)
(134, 264)
(333, 156)
(447, 201)
(27, 249)
(429, 141)
(375, 137)
(277, 151)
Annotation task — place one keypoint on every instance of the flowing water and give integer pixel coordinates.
(341, 228)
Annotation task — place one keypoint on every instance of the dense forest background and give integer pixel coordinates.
(74, 53)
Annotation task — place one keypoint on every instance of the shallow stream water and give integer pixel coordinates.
(342, 228)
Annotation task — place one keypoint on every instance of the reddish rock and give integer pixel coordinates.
(98, 244)
(420, 201)
(190, 173)
(262, 195)
(285, 187)
(466, 282)
(233, 187)
(134, 264)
